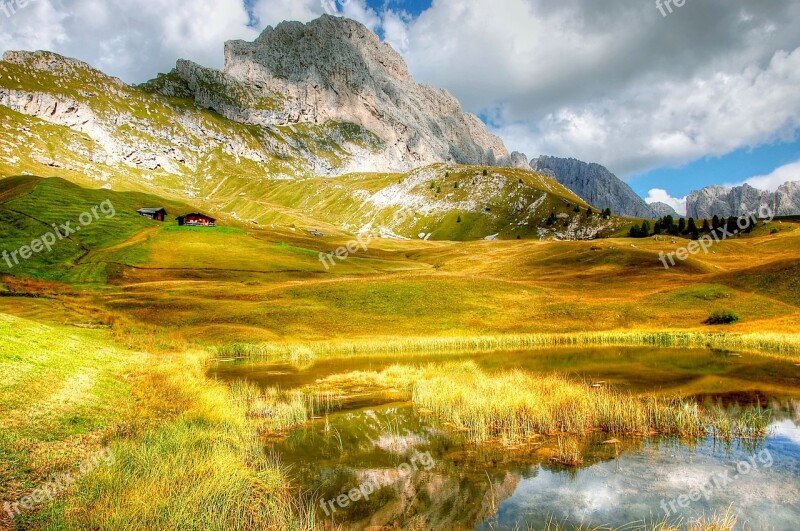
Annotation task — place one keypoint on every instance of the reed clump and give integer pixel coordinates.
(275, 410)
(515, 405)
(780, 344)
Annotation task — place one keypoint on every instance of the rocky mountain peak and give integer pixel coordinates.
(335, 69)
(661, 210)
(331, 50)
(721, 201)
(595, 184)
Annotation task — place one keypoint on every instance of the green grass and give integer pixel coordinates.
(28, 216)
(62, 395)
(185, 454)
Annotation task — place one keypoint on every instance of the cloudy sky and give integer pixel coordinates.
(670, 101)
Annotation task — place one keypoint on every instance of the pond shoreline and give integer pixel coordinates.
(785, 346)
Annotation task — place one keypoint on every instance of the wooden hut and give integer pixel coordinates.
(158, 214)
(197, 219)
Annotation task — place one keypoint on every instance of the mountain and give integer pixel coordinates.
(595, 184)
(661, 210)
(336, 70)
(721, 201)
(255, 145)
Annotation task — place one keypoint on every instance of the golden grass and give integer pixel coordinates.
(192, 460)
(185, 454)
(781, 344)
(274, 410)
(514, 405)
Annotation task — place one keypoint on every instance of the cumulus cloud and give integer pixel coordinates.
(609, 82)
(781, 175)
(131, 40)
(657, 195)
(617, 83)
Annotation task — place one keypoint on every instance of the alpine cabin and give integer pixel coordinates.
(158, 214)
(196, 219)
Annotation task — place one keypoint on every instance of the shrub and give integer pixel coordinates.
(722, 317)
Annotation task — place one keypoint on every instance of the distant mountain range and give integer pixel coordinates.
(721, 201)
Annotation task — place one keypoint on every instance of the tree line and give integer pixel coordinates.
(688, 227)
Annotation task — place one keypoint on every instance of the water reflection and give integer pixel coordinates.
(501, 487)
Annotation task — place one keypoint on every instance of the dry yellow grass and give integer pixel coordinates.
(515, 405)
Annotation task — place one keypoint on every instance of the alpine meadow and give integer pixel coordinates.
(305, 288)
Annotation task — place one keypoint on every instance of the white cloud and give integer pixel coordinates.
(131, 40)
(781, 175)
(617, 83)
(657, 195)
(611, 82)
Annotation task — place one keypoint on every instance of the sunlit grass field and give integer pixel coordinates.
(105, 341)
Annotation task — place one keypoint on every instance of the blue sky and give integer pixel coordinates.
(670, 103)
(730, 169)
(724, 167)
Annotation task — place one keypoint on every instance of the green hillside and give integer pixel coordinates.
(31, 206)
(91, 129)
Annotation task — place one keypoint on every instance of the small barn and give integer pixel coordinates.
(196, 219)
(158, 214)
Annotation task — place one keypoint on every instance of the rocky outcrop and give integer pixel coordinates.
(720, 201)
(595, 185)
(516, 160)
(335, 69)
(662, 210)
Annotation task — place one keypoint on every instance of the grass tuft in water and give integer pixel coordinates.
(515, 404)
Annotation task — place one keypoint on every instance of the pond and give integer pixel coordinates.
(380, 461)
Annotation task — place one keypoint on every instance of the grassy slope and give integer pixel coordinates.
(62, 395)
(176, 288)
(30, 206)
(183, 453)
(428, 289)
(252, 284)
(219, 172)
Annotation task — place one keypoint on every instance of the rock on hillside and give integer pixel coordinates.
(720, 201)
(661, 210)
(335, 69)
(595, 184)
(126, 136)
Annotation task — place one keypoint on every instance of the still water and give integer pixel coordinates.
(411, 471)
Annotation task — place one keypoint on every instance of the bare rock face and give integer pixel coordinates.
(594, 184)
(335, 69)
(720, 201)
(516, 160)
(662, 210)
